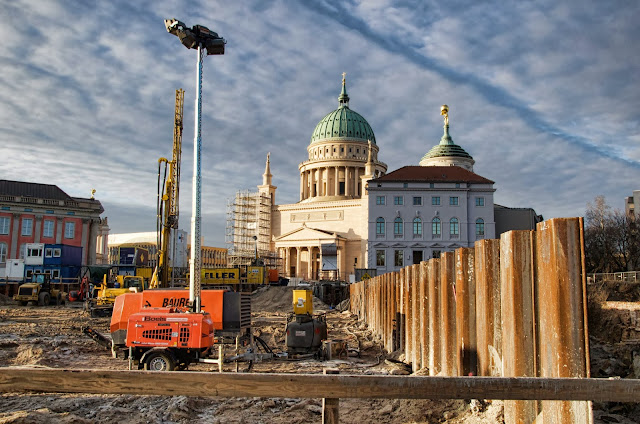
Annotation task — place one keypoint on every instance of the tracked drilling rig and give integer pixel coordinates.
(168, 198)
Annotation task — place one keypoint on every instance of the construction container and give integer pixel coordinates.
(302, 302)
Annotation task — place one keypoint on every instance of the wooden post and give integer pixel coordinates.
(330, 406)
(466, 346)
(416, 356)
(560, 298)
(448, 315)
(435, 363)
(518, 346)
(424, 314)
(488, 327)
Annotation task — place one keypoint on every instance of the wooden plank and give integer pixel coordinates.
(206, 384)
(518, 345)
(488, 326)
(466, 346)
(448, 354)
(560, 302)
(330, 406)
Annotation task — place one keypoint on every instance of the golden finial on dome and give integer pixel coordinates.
(93, 191)
(444, 111)
(344, 74)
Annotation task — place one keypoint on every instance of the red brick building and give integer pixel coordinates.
(43, 213)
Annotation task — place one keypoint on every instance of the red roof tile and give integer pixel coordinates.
(433, 174)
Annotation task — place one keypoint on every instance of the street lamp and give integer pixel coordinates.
(203, 39)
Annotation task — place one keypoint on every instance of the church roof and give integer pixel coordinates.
(24, 189)
(343, 123)
(432, 174)
(446, 148)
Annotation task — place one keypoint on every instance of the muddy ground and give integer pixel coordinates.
(51, 337)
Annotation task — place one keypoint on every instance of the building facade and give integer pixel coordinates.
(632, 204)
(418, 212)
(324, 234)
(43, 213)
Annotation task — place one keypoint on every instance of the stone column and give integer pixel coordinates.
(311, 262)
(15, 234)
(287, 261)
(347, 190)
(312, 188)
(302, 185)
(337, 181)
(299, 252)
(38, 229)
(84, 241)
(59, 230)
(93, 238)
(320, 182)
(356, 179)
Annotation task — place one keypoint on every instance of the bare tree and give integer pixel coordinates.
(612, 240)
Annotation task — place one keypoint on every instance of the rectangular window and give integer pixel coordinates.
(47, 228)
(56, 252)
(397, 200)
(4, 225)
(380, 227)
(417, 201)
(380, 259)
(457, 185)
(453, 201)
(3, 252)
(48, 252)
(479, 201)
(379, 200)
(55, 274)
(431, 185)
(27, 226)
(34, 252)
(69, 230)
(435, 201)
(405, 185)
(398, 258)
(436, 254)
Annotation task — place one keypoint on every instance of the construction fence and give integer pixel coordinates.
(514, 307)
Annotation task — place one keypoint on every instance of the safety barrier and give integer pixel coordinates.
(514, 307)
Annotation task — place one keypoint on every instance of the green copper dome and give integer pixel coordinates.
(343, 123)
(446, 148)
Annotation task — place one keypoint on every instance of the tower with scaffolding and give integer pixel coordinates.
(248, 232)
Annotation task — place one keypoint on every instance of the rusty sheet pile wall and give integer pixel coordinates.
(514, 307)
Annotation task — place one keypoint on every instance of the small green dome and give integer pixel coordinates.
(446, 148)
(343, 123)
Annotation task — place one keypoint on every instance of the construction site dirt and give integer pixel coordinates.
(52, 337)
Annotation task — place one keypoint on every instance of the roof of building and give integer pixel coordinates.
(446, 148)
(36, 190)
(433, 174)
(343, 123)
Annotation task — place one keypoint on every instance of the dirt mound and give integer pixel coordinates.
(5, 300)
(279, 299)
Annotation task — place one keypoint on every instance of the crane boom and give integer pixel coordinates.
(169, 200)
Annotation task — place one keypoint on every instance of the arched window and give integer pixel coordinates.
(380, 226)
(480, 227)
(435, 227)
(397, 227)
(3, 252)
(417, 227)
(454, 227)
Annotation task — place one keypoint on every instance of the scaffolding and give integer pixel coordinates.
(248, 230)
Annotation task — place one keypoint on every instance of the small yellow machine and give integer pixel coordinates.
(304, 332)
(124, 284)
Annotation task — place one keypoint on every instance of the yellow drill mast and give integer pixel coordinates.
(168, 204)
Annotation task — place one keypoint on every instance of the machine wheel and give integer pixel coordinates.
(43, 299)
(159, 361)
(23, 302)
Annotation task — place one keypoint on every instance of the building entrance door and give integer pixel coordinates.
(417, 256)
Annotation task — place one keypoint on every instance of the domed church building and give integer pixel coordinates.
(324, 235)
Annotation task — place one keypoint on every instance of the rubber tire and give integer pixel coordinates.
(23, 302)
(159, 361)
(43, 299)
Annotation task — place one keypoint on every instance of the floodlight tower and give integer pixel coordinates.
(203, 39)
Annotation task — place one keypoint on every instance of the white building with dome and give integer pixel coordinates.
(418, 212)
(324, 234)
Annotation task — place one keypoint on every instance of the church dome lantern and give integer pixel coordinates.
(447, 153)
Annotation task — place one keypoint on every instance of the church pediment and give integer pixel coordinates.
(305, 233)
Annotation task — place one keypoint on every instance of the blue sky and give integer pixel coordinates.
(544, 95)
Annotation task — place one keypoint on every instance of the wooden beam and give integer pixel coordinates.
(206, 384)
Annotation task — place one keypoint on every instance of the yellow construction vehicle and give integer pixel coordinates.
(168, 198)
(124, 284)
(39, 291)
